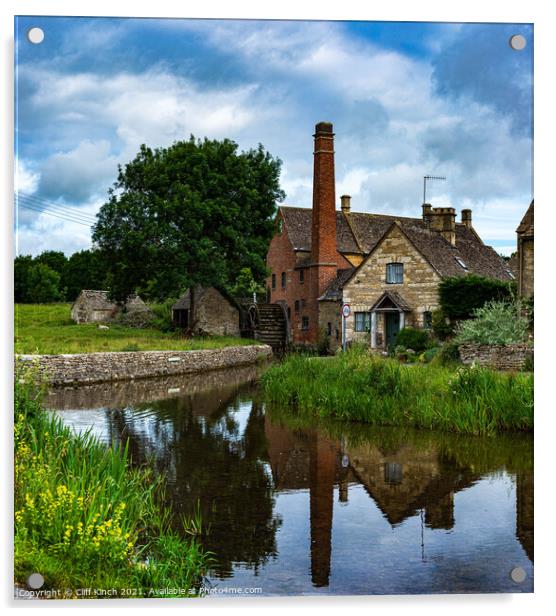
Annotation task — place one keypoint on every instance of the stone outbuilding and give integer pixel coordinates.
(93, 306)
(207, 310)
(526, 253)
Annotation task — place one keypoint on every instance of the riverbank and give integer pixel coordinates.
(358, 387)
(47, 329)
(87, 368)
(84, 519)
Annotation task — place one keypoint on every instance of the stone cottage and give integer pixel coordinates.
(526, 253)
(214, 312)
(92, 306)
(387, 268)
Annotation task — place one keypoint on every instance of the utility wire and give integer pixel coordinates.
(56, 208)
(66, 218)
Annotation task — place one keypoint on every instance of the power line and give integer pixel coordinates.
(56, 208)
(60, 216)
(65, 214)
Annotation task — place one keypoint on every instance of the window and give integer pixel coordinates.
(301, 276)
(283, 280)
(427, 319)
(394, 273)
(273, 281)
(289, 314)
(305, 323)
(462, 263)
(296, 305)
(362, 321)
(329, 329)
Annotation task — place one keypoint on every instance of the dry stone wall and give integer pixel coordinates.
(510, 357)
(120, 366)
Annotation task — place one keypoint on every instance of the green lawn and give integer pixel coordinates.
(48, 329)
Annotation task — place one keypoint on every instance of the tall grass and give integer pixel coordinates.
(358, 387)
(84, 518)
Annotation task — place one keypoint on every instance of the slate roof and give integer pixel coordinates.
(359, 233)
(527, 224)
(96, 300)
(184, 302)
(334, 289)
(395, 298)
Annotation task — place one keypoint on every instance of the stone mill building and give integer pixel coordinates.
(386, 267)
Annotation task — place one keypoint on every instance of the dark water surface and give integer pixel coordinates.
(299, 508)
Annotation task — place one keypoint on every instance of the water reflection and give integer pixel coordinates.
(308, 507)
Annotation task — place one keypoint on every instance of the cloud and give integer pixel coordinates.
(397, 116)
(26, 180)
(77, 175)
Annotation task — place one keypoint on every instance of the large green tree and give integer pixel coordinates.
(84, 270)
(197, 212)
(43, 284)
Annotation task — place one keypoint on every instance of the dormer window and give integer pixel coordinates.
(394, 273)
(462, 263)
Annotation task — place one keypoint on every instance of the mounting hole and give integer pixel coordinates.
(35, 581)
(518, 575)
(518, 42)
(35, 35)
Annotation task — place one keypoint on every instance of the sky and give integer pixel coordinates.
(406, 100)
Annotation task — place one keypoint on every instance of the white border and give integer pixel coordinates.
(536, 11)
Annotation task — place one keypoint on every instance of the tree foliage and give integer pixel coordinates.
(83, 270)
(197, 212)
(460, 296)
(43, 284)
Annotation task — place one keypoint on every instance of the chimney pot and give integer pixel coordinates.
(443, 220)
(324, 128)
(427, 208)
(346, 203)
(466, 217)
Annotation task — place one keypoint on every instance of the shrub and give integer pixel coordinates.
(136, 318)
(447, 354)
(495, 323)
(162, 311)
(416, 339)
(324, 342)
(441, 328)
(461, 296)
(428, 355)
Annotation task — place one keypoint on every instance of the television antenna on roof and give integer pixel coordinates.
(430, 177)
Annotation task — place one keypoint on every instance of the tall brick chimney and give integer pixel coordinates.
(466, 218)
(323, 242)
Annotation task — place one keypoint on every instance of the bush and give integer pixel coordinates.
(461, 296)
(428, 355)
(447, 354)
(136, 318)
(441, 328)
(416, 339)
(495, 323)
(162, 311)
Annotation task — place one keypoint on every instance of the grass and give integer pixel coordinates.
(84, 518)
(358, 387)
(47, 329)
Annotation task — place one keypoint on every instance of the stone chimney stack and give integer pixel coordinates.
(346, 203)
(427, 207)
(466, 218)
(443, 220)
(323, 232)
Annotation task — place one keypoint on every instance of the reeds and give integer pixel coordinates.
(356, 386)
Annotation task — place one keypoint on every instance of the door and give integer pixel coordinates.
(392, 328)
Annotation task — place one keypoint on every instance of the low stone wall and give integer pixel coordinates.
(101, 367)
(511, 357)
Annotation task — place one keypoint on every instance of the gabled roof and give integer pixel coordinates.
(334, 289)
(184, 302)
(393, 298)
(95, 299)
(527, 224)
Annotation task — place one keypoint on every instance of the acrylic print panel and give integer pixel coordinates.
(196, 196)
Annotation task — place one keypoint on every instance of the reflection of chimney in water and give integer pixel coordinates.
(322, 470)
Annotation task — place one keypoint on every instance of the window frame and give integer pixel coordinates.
(304, 323)
(301, 276)
(274, 281)
(394, 273)
(366, 317)
(283, 280)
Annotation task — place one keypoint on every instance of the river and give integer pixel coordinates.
(298, 507)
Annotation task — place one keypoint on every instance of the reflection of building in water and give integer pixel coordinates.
(524, 511)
